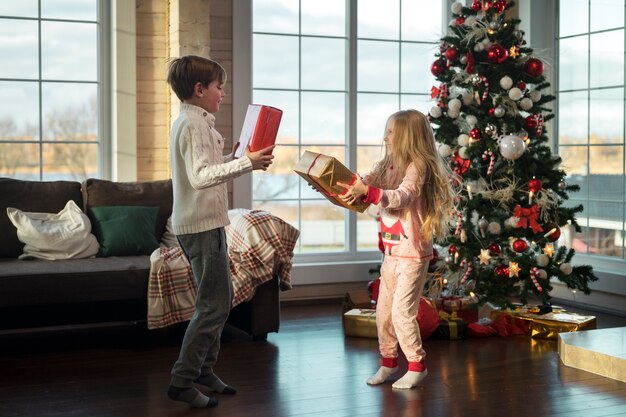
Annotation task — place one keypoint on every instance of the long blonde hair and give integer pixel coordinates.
(413, 142)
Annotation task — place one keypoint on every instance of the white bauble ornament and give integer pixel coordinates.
(499, 111)
(456, 7)
(453, 114)
(526, 103)
(542, 260)
(542, 274)
(463, 139)
(512, 147)
(435, 112)
(535, 95)
(494, 228)
(479, 47)
(464, 152)
(566, 268)
(445, 150)
(471, 120)
(511, 222)
(506, 82)
(463, 60)
(454, 104)
(515, 93)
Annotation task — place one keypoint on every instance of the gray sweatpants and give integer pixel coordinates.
(208, 256)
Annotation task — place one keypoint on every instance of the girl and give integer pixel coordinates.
(412, 187)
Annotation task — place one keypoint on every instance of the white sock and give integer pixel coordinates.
(410, 379)
(381, 376)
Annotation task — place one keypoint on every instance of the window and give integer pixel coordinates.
(338, 69)
(590, 119)
(50, 89)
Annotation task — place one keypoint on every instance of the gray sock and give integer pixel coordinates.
(213, 382)
(191, 396)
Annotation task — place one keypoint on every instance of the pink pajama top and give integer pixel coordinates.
(400, 216)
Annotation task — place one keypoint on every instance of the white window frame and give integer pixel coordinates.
(351, 264)
(540, 21)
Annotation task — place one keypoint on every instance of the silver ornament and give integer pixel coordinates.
(499, 111)
(491, 130)
(562, 185)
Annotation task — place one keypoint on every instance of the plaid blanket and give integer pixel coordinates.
(260, 246)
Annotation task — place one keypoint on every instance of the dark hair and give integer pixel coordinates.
(186, 71)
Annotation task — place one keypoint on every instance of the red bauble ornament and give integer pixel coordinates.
(552, 236)
(533, 67)
(534, 185)
(487, 4)
(452, 250)
(477, 5)
(452, 54)
(459, 20)
(521, 85)
(499, 6)
(491, 112)
(438, 67)
(501, 270)
(497, 54)
(475, 133)
(494, 249)
(520, 245)
(530, 123)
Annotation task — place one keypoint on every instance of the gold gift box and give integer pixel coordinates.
(360, 322)
(323, 172)
(548, 326)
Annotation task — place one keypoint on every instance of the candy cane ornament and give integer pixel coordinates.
(534, 273)
(467, 273)
(492, 159)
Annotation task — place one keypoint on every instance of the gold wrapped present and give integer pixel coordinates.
(549, 325)
(360, 322)
(323, 172)
(451, 327)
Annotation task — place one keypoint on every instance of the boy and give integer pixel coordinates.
(199, 215)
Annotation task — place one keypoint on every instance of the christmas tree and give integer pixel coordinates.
(489, 122)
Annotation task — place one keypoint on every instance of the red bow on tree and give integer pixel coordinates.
(460, 165)
(528, 216)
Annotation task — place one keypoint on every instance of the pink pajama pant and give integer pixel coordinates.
(402, 283)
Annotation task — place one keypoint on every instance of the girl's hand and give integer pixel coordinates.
(354, 192)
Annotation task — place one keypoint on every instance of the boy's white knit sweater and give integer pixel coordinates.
(200, 172)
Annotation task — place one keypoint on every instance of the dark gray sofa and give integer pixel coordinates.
(36, 294)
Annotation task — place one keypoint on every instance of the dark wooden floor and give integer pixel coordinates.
(308, 369)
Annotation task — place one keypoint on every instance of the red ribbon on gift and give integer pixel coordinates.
(528, 216)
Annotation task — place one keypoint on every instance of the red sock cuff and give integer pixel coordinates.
(417, 366)
(389, 362)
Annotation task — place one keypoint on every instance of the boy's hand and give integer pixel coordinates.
(354, 192)
(261, 159)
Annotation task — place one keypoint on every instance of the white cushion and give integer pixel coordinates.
(63, 235)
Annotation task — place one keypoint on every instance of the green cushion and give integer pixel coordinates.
(124, 230)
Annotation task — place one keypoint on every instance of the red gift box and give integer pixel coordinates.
(260, 128)
(465, 307)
